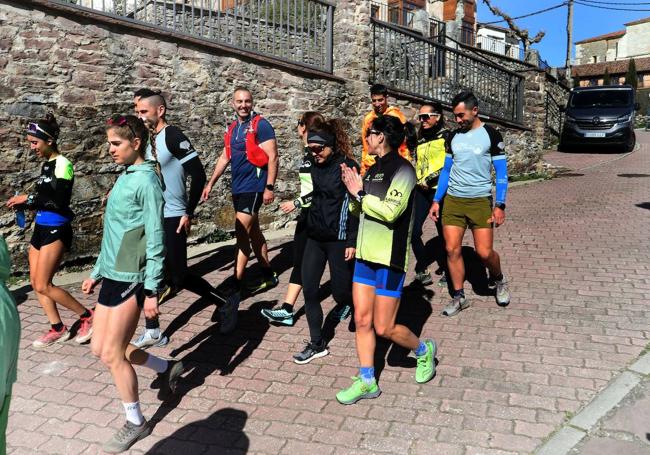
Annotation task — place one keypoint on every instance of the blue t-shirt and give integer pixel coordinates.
(246, 177)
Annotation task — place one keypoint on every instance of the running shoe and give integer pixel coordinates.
(426, 363)
(341, 312)
(502, 292)
(169, 379)
(265, 284)
(228, 313)
(126, 436)
(312, 351)
(51, 337)
(456, 305)
(85, 331)
(442, 282)
(150, 337)
(358, 391)
(279, 315)
(424, 278)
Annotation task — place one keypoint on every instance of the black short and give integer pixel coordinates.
(44, 235)
(114, 293)
(248, 203)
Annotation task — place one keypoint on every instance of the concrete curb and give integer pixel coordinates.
(572, 432)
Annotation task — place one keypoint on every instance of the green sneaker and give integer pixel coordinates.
(426, 367)
(358, 391)
(265, 284)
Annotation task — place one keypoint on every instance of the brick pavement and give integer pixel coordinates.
(577, 254)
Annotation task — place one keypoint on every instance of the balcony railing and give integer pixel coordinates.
(500, 47)
(295, 31)
(416, 20)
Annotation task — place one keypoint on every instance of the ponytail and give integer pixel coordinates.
(335, 128)
(396, 133)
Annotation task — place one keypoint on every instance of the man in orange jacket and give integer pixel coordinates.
(379, 98)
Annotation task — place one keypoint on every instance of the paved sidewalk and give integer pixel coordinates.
(577, 254)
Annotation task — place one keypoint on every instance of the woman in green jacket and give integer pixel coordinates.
(130, 266)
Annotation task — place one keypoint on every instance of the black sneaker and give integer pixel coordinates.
(169, 379)
(312, 351)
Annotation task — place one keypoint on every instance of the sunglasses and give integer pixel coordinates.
(120, 121)
(316, 149)
(34, 128)
(301, 123)
(369, 132)
(425, 117)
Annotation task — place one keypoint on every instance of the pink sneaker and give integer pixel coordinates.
(85, 331)
(52, 337)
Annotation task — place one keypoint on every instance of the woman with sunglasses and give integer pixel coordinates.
(384, 199)
(331, 232)
(130, 265)
(285, 314)
(52, 232)
(429, 161)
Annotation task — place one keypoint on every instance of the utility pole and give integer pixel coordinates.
(569, 41)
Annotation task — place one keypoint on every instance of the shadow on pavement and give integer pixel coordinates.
(632, 176)
(222, 431)
(644, 205)
(475, 272)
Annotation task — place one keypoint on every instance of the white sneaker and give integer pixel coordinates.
(150, 338)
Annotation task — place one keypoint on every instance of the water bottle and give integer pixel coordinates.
(20, 216)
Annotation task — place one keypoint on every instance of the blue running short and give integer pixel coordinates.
(386, 281)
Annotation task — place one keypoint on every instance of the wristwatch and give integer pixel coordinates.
(500, 205)
(150, 293)
(297, 204)
(360, 195)
(269, 187)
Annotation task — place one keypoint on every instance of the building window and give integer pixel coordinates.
(594, 59)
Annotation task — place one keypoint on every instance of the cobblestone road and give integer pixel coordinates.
(576, 250)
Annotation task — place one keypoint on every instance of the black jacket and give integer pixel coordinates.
(329, 216)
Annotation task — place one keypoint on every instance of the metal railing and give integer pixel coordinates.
(416, 20)
(294, 31)
(500, 47)
(554, 119)
(408, 63)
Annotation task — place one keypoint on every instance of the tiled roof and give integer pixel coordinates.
(640, 21)
(602, 37)
(617, 67)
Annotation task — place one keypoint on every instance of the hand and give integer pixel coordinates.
(205, 195)
(17, 200)
(268, 197)
(434, 212)
(184, 223)
(88, 286)
(349, 253)
(151, 307)
(351, 179)
(287, 206)
(498, 217)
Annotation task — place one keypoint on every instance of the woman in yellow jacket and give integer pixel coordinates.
(429, 160)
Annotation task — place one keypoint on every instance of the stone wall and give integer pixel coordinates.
(84, 71)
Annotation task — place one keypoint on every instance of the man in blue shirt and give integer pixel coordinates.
(253, 180)
(466, 180)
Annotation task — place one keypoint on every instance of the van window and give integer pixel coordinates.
(601, 98)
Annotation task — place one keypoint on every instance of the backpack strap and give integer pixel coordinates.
(227, 138)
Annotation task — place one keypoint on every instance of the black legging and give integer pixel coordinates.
(317, 254)
(422, 204)
(299, 242)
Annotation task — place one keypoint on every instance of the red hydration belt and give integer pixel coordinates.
(254, 153)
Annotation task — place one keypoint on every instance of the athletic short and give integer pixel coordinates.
(248, 203)
(44, 235)
(114, 293)
(386, 281)
(464, 212)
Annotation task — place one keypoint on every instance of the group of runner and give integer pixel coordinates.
(360, 220)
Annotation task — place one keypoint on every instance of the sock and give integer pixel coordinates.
(367, 374)
(287, 306)
(86, 315)
(151, 323)
(133, 413)
(156, 364)
(58, 326)
(421, 349)
(459, 293)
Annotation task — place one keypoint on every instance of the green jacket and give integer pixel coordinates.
(9, 327)
(133, 247)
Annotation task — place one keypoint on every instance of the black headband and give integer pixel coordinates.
(36, 130)
(321, 137)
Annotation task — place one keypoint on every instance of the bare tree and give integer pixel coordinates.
(522, 34)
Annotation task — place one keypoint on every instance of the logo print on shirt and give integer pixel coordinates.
(185, 145)
(396, 193)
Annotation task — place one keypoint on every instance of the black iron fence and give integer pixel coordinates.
(554, 116)
(417, 20)
(413, 65)
(295, 31)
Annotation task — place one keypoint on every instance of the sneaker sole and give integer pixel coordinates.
(285, 321)
(158, 344)
(83, 339)
(63, 339)
(362, 397)
(503, 304)
(140, 437)
(462, 307)
(315, 356)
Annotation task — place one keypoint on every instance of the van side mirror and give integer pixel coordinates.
(637, 106)
(562, 109)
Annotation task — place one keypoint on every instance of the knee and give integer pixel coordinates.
(453, 251)
(484, 253)
(363, 322)
(384, 330)
(96, 348)
(41, 286)
(110, 357)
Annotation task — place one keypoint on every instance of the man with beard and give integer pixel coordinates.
(466, 180)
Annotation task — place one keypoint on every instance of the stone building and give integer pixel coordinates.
(84, 65)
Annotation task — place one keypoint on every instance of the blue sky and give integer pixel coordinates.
(587, 22)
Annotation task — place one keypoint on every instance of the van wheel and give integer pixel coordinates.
(631, 143)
